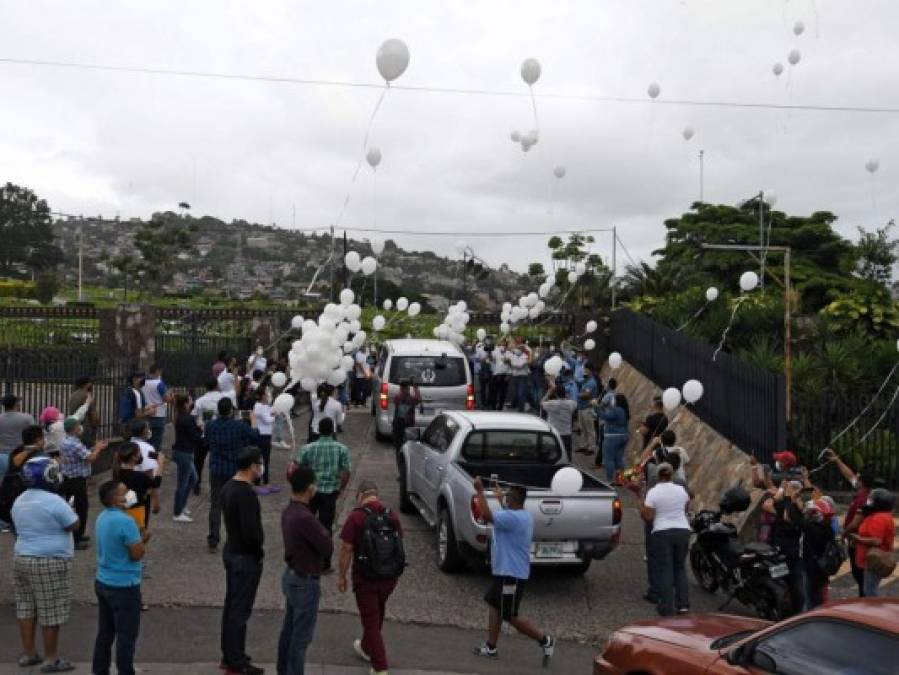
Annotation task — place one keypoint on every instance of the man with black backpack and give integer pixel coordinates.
(372, 540)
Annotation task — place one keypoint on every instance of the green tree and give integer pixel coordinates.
(26, 231)
(876, 254)
(536, 270)
(46, 286)
(160, 241)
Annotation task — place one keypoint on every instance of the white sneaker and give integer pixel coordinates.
(183, 518)
(187, 512)
(357, 647)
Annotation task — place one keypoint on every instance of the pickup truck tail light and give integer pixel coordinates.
(476, 514)
(469, 399)
(616, 512)
(383, 396)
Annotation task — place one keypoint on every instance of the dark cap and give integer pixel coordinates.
(9, 400)
(367, 485)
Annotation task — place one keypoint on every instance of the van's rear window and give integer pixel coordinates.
(493, 446)
(428, 371)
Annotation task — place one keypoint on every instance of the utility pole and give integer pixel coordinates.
(788, 319)
(701, 176)
(762, 236)
(331, 291)
(614, 261)
(80, 261)
(345, 270)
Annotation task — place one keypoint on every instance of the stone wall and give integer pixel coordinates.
(715, 463)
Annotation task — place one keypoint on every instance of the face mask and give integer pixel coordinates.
(261, 470)
(130, 499)
(778, 466)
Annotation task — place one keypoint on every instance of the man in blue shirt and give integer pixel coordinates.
(510, 562)
(226, 436)
(120, 549)
(586, 418)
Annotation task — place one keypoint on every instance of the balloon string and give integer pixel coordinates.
(692, 318)
(561, 302)
(729, 325)
(534, 107)
(371, 120)
(817, 27)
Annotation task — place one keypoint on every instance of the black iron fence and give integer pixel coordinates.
(48, 327)
(742, 403)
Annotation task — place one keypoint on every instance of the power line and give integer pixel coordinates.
(626, 252)
(444, 90)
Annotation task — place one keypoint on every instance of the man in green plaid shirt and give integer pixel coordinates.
(331, 462)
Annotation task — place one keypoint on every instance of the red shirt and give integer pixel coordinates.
(352, 528)
(878, 525)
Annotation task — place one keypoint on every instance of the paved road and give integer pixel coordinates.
(185, 579)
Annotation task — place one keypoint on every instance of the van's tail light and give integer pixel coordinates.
(469, 399)
(383, 396)
(476, 514)
(616, 512)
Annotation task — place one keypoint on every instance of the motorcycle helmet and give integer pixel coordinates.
(881, 499)
(41, 473)
(735, 500)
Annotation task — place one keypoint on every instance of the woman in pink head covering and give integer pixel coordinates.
(54, 432)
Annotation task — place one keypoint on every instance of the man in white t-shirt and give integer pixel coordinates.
(156, 393)
(361, 378)
(665, 506)
(227, 380)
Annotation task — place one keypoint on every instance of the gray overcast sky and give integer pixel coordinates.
(100, 142)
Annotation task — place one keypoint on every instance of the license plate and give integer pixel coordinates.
(549, 551)
(778, 571)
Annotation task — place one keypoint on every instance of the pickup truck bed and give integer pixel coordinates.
(529, 476)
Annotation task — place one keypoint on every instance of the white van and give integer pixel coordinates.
(438, 368)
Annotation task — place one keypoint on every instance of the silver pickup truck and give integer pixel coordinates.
(437, 466)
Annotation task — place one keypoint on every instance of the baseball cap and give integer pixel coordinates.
(787, 458)
(367, 485)
(70, 423)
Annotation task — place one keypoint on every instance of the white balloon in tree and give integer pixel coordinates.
(352, 261)
(369, 265)
(748, 281)
(671, 398)
(794, 57)
(373, 157)
(530, 71)
(572, 277)
(402, 304)
(591, 326)
(872, 165)
(692, 391)
(654, 90)
(377, 245)
(615, 360)
(392, 59)
(777, 69)
(559, 171)
(589, 344)
(711, 294)
(378, 323)
(388, 304)
(414, 309)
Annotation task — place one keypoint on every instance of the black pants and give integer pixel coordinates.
(118, 620)
(498, 386)
(858, 573)
(324, 505)
(215, 510)
(199, 462)
(265, 447)
(795, 581)
(77, 488)
(242, 574)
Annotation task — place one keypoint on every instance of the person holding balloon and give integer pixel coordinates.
(616, 418)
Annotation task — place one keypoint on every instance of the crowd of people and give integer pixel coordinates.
(229, 432)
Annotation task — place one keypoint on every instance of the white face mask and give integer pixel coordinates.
(261, 471)
(778, 466)
(130, 499)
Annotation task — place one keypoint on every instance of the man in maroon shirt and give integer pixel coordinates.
(306, 546)
(371, 593)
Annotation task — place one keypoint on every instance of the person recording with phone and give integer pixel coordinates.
(404, 405)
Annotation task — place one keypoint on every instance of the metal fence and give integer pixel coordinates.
(48, 327)
(742, 403)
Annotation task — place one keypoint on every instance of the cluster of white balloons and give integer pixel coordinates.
(691, 392)
(455, 322)
(527, 140)
(322, 354)
(530, 73)
(413, 309)
(355, 263)
(529, 306)
(590, 343)
(794, 56)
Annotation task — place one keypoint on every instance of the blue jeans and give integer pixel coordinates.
(157, 428)
(520, 386)
(187, 478)
(668, 560)
(613, 454)
(301, 596)
(118, 620)
(871, 584)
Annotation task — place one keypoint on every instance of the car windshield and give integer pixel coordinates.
(428, 371)
(502, 445)
(728, 640)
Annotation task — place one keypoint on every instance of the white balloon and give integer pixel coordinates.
(347, 362)
(353, 312)
(377, 245)
(687, 133)
(794, 56)
(505, 316)
(279, 379)
(671, 398)
(572, 277)
(355, 326)
(369, 265)
(748, 281)
(516, 136)
(692, 391)
(347, 297)
(283, 404)
(373, 157)
(580, 268)
(798, 28)
(591, 326)
(392, 59)
(530, 71)
(872, 165)
(378, 323)
(567, 481)
(523, 301)
(777, 69)
(559, 171)
(507, 306)
(654, 90)
(614, 360)
(525, 147)
(414, 309)
(359, 338)
(348, 347)
(711, 294)
(443, 331)
(308, 326)
(533, 313)
(482, 334)
(352, 261)
(543, 291)
(589, 345)
(770, 197)
(296, 322)
(553, 366)
(308, 384)
(435, 331)
(388, 304)
(337, 377)
(504, 328)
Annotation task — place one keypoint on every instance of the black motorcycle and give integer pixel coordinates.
(754, 574)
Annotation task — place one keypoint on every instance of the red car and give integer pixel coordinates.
(851, 637)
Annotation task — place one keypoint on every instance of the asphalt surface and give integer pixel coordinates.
(434, 618)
